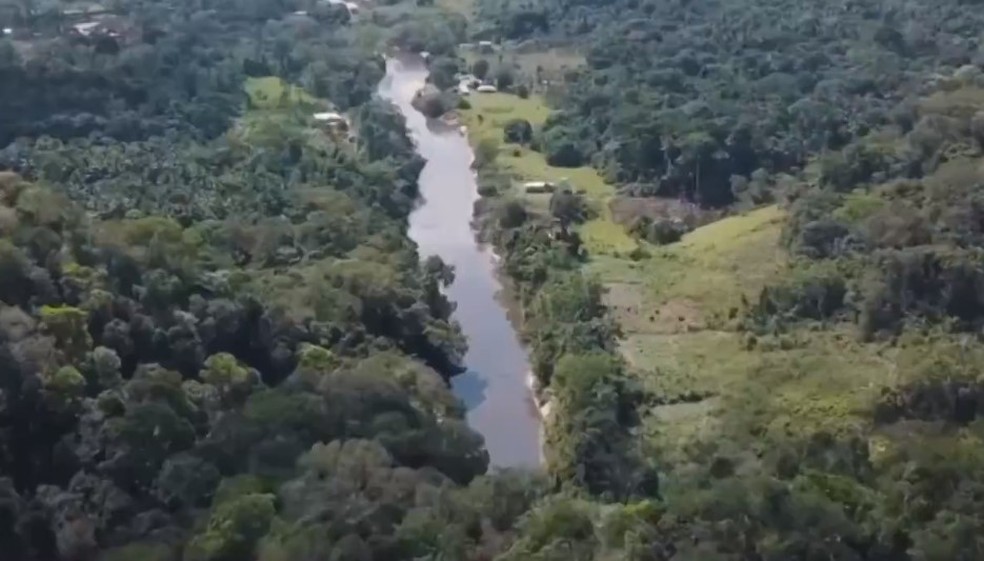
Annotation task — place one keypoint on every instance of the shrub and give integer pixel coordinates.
(518, 131)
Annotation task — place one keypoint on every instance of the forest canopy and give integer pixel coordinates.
(757, 308)
(681, 98)
(216, 340)
(218, 343)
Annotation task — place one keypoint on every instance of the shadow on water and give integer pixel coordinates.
(470, 387)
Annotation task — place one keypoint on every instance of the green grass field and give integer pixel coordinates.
(486, 119)
(275, 105)
(698, 281)
(497, 109)
(800, 383)
(677, 310)
(271, 92)
(677, 306)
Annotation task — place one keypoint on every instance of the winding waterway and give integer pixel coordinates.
(494, 387)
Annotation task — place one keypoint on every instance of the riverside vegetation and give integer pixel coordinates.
(216, 340)
(754, 300)
(763, 221)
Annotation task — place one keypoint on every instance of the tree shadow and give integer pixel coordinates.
(470, 387)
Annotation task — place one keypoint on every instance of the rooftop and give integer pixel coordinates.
(352, 6)
(86, 28)
(328, 116)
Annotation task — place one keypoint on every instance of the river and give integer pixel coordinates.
(494, 386)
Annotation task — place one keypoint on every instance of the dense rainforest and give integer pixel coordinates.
(752, 293)
(681, 98)
(217, 342)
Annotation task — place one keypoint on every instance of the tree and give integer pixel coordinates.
(558, 529)
(486, 152)
(567, 207)
(69, 327)
(314, 361)
(431, 102)
(587, 445)
(480, 68)
(186, 481)
(504, 78)
(233, 381)
(442, 72)
(106, 364)
(233, 530)
(147, 434)
(518, 131)
(65, 386)
(15, 282)
(561, 148)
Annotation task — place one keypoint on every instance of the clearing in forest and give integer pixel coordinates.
(275, 106)
(486, 120)
(271, 92)
(678, 310)
(678, 306)
(543, 66)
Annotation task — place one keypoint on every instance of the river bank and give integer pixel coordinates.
(495, 386)
(579, 375)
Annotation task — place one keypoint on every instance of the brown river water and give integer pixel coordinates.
(494, 388)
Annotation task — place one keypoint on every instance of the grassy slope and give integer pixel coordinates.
(269, 93)
(676, 309)
(601, 236)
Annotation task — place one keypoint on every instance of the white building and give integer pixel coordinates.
(329, 117)
(86, 28)
(352, 7)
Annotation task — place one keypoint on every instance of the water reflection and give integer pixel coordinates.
(470, 387)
